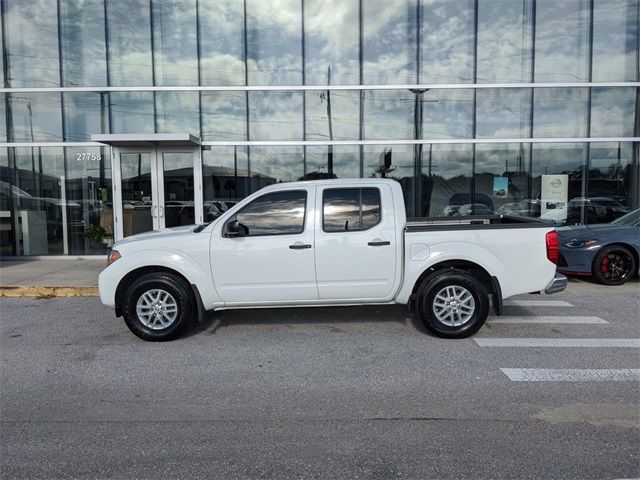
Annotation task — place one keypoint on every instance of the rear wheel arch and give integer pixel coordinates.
(473, 269)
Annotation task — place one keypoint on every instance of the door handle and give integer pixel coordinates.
(379, 243)
(299, 246)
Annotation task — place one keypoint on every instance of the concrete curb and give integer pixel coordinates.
(47, 292)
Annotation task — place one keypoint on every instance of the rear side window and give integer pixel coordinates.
(350, 209)
(279, 213)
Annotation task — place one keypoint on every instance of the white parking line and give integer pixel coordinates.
(571, 374)
(536, 303)
(545, 319)
(559, 342)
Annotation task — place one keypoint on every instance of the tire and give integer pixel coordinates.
(465, 317)
(167, 301)
(613, 265)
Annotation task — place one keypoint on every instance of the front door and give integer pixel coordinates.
(156, 188)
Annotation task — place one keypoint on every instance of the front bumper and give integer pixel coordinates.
(557, 285)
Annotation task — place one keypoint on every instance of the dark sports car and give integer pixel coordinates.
(609, 251)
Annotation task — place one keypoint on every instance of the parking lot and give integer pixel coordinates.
(550, 389)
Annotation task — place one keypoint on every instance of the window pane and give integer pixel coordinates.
(132, 112)
(36, 117)
(270, 165)
(503, 113)
(611, 176)
(224, 116)
(85, 114)
(178, 112)
(174, 42)
(613, 112)
(88, 182)
(130, 61)
(370, 207)
(560, 112)
(397, 162)
(7, 239)
(341, 210)
(332, 162)
(83, 46)
(38, 201)
(280, 213)
(447, 114)
(32, 43)
(389, 114)
(340, 122)
(504, 41)
(331, 41)
(389, 42)
(221, 42)
(275, 115)
(562, 41)
(447, 41)
(225, 179)
(274, 42)
(615, 40)
(446, 179)
(502, 180)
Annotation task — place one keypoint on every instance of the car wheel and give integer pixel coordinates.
(452, 304)
(613, 265)
(158, 306)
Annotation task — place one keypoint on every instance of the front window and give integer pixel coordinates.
(279, 213)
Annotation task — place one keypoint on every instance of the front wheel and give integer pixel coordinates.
(613, 265)
(452, 304)
(158, 306)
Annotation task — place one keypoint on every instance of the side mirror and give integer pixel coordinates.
(233, 228)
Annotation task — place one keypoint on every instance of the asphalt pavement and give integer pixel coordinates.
(549, 390)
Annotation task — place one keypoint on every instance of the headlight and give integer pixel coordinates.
(113, 256)
(579, 243)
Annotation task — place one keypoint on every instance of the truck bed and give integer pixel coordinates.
(424, 224)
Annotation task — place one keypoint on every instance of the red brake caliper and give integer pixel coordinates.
(604, 264)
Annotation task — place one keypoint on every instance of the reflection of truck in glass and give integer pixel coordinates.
(329, 242)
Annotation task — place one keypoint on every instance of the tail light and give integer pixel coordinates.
(553, 248)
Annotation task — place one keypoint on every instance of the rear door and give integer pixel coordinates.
(356, 244)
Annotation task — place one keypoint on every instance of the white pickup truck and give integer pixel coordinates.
(331, 242)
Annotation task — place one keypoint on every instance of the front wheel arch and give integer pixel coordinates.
(133, 275)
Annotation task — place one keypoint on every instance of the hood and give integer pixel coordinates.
(595, 232)
(158, 235)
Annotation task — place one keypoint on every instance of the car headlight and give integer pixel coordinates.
(579, 243)
(113, 256)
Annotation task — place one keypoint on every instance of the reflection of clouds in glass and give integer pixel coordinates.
(275, 213)
(282, 164)
(345, 115)
(331, 40)
(447, 114)
(132, 112)
(562, 40)
(503, 113)
(616, 25)
(389, 28)
(613, 112)
(560, 112)
(35, 117)
(221, 41)
(130, 60)
(223, 116)
(388, 114)
(175, 42)
(346, 161)
(275, 115)
(504, 46)
(177, 112)
(83, 45)
(32, 43)
(447, 41)
(273, 42)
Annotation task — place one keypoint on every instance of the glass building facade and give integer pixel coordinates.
(526, 107)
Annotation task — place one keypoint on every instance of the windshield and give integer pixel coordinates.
(632, 219)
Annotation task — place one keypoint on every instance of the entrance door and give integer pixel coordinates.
(159, 187)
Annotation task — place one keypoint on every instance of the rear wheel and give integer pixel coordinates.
(452, 304)
(158, 306)
(613, 265)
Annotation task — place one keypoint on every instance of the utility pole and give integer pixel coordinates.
(327, 96)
